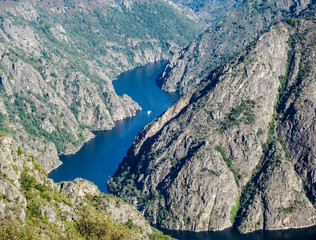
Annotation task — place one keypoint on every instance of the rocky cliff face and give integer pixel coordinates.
(57, 62)
(209, 10)
(33, 207)
(223, 39)
(237, 151)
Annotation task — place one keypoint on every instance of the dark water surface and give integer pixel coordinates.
(99, 158)
(231, 234)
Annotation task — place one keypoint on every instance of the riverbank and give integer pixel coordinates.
(99, 158)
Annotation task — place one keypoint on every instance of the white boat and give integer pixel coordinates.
(149, 112)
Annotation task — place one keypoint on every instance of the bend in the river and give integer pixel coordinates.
(99, 158)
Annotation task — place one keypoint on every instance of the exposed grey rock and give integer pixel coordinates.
(209, 10)
(223, 39)
(59, 205)
(78, 189)
(188, 169)
(297, 127)
(278, 200)
(55, 92)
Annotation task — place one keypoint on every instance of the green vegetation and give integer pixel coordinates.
(210, 172)
(32, 123)
(247, 192)
(243, 113)
(271, 130)
(19, 151)
(3, 196)
(229, 162)
(288, 210)
(284, 88)
(91, 219)
(162, 215)
(3, 125)
(151, 20)
(210, 11)
(293, 21)
(250, 189)
(27, 182)
(261, 6)
(33, 208)
(91, 212)
(57, 196)
(104, 37)
(260, 132)
(125, 187)
(158, 235)
(93, 225)
(234, 211)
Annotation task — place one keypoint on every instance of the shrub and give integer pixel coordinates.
(242, 113)
(27, 182)
(158, 235)
(41, 187)
(209, 171)
(229, 162)
(53, 75)
(19, 151)
(33, 208)
(234, 211)
(4, 196)
(93, 224)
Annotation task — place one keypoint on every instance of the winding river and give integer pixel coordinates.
(98, 159)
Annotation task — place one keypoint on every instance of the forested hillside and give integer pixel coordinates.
(58, 60)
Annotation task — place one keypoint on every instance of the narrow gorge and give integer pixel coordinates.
(240, 149)
(198, 117)
(58, 60)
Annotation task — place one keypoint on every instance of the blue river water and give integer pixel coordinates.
(99, 158)
(232, 234)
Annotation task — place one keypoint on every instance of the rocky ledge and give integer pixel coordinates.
(32, 206)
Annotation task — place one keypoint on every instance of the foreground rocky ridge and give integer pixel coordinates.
(223, 39)
(240, 150)
(57, 62)
(33, 207)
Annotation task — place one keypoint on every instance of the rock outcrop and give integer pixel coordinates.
(224, 38)
(210, 11)
(57, 62)
(240, 149)
(32, 205)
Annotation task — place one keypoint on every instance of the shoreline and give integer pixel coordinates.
(92, 136)
(74, 151)
(260, 231)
